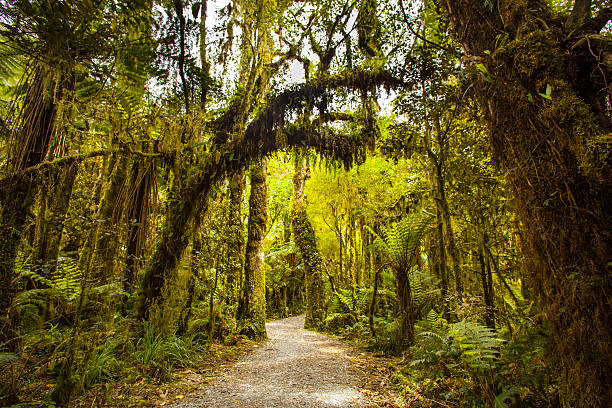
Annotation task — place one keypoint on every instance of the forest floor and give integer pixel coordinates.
(297, 368)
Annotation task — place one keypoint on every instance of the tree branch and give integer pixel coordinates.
(18, 176)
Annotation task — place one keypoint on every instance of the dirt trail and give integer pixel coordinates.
(294, 368)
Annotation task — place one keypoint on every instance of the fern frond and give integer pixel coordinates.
(402, 240)
(479, 344)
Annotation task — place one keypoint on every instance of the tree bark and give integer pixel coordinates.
(235, 239)
(555, 151)
(50, 222)
(252, 309)
(304, 236)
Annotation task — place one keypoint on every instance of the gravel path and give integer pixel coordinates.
(294, 368)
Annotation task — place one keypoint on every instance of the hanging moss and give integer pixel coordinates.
(264, 135)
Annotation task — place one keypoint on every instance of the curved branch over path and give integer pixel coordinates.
(268, 133)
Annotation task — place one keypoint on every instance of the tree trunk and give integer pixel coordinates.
(372, 310)
(235, 239)
(50, 222)
(487, 289)
(558, 159)
(30, 145)
(404, 297)
(103, 259)
(89, 246)
(252, 309)
(304, 237)
(442, 208)
(440, 261)
(139, 208)
(194, 267)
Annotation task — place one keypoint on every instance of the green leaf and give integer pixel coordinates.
(482, 68)
(547, 93)
(530, 97)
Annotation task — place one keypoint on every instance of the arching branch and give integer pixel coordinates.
(264, 135)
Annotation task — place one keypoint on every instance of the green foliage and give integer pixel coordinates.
(157, 354)
(402, 240)
(65, 281)
(479, 344)
(98, 367)
(347, 300)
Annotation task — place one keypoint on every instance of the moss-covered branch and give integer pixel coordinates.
(266, 134)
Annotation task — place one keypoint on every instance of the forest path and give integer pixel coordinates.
(294, 368)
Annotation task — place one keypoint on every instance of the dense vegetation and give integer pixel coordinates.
(430, 179)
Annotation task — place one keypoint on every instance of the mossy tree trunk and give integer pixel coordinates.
(89, 245)
(252, 308)
(304, 236)
(235, 238)
(50, 222)
(103, 259)
(545, 98)
(31, 143)
(139, 207)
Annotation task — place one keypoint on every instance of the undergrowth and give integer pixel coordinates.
(454, 361)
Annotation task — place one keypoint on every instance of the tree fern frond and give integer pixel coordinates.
(402, 240)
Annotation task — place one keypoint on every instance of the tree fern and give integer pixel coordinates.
(401, 241)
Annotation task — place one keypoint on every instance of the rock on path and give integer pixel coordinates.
(294, 368)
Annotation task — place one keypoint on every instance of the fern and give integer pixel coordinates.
(416, 287)
(479, 344)
(402, 240)
(66, 279)
(346, 299)
(435, 319)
